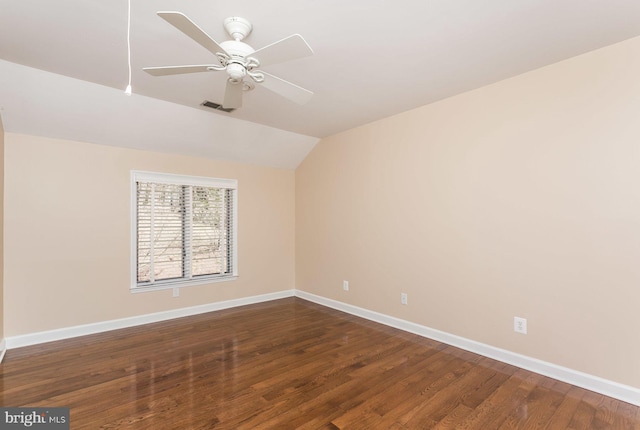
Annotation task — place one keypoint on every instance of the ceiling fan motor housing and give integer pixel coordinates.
(235, 48)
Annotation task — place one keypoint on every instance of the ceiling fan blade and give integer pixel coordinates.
(290, 48)
(286, 89)
(177, 70)
(191, 29)
(232, 95)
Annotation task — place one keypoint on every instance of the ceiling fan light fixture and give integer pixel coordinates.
(236, 71)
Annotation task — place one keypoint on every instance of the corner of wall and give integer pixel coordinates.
(3, 344)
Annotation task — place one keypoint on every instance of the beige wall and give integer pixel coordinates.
(67, 218)
(521, 198)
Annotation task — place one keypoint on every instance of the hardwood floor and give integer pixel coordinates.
(291, 364)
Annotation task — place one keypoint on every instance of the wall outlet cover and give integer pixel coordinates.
(520, 325)
(404, 298)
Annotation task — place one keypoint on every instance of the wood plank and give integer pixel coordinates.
(291, 364)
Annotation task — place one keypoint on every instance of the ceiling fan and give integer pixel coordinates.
(239, 60)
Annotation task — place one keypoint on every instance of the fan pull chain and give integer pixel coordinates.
(128, 90)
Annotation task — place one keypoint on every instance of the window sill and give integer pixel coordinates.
(169, 285)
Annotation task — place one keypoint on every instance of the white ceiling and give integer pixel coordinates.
(373, 58)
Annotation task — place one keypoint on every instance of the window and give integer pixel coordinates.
(183, 230)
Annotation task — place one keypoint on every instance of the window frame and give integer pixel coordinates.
(182, 180)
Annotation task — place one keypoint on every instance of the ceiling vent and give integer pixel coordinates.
(216, 106)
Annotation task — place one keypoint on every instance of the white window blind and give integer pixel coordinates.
(185, 230)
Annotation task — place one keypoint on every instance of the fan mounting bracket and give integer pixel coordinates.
(237, 27)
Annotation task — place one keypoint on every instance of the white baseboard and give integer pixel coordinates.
(609, 388)
(81, 330)
(590, 382)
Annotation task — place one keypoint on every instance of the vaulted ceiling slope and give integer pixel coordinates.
(41, 103)
(373, 58)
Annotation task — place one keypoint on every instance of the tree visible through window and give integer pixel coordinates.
(184, 230)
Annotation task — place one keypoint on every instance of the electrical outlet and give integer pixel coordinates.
(520, 325)
(176, 292)
(403, 298)
(345, 285)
